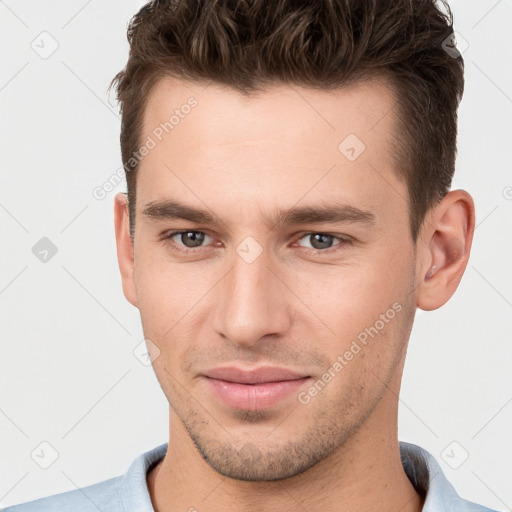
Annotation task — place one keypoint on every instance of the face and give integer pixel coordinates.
(279, 315)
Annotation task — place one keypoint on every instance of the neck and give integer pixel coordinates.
(365, 474)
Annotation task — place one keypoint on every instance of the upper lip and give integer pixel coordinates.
(254, 375)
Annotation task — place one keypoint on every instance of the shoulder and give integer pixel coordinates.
(104, 496)
(118, 494)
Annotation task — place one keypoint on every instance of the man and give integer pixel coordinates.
(288, 209)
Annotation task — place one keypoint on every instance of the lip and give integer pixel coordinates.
(259, 375)
(253, 389)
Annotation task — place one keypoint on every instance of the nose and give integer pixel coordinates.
(251, 303)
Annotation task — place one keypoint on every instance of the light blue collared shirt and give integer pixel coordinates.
(129, 492)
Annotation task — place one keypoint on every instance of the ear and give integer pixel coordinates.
(124, 247)
(443, 246)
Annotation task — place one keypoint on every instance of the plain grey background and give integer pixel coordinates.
(70, 378)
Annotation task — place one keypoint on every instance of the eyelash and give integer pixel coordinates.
(343, 241)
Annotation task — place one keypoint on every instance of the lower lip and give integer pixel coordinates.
(256, 396)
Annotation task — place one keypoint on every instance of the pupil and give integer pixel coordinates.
(195, 239)
(321, 241)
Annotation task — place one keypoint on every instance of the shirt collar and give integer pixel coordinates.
(428, 479)
(419, 465)
(134, 488)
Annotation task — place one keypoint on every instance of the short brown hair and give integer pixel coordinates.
(323, 44)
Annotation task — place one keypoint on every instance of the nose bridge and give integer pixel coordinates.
(250, 304)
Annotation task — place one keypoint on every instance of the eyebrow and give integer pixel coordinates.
(323, 213)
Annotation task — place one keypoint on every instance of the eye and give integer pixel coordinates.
(322, 241)
(188, 239)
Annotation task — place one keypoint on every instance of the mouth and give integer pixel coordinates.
(253, 389)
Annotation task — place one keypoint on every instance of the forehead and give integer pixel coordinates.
(220, 110)
(284, 142)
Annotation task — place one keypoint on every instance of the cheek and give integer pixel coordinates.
(349, 301)
(175, 298)
(165, 291)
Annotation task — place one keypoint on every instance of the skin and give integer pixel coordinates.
(241, 159)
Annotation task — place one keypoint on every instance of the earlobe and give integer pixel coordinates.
(124, 245)
(445, 244)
